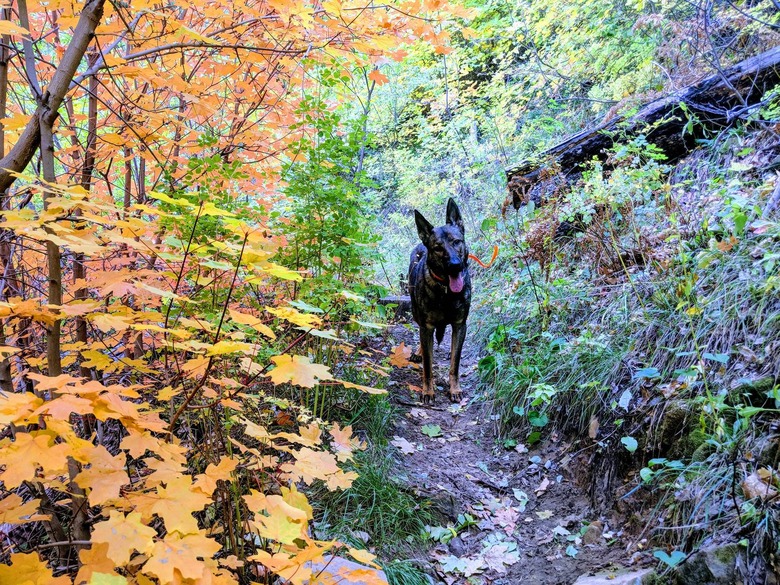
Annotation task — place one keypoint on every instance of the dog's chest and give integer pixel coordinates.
(438, 305)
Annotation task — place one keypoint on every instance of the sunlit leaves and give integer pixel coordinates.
(298, 370)
(28, 568)
(124, 535)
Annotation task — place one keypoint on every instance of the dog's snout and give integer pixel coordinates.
(455, 264)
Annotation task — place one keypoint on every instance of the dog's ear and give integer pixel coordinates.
(453, 215)
(424, 227)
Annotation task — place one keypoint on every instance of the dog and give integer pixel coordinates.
(440, 290)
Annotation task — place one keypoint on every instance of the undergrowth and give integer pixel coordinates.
(379, 511)
(680, 334)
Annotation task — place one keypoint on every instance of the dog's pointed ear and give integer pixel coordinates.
(424, 227)
(453, 215)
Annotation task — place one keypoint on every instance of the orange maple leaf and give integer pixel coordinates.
(378, 77)
(401, 355)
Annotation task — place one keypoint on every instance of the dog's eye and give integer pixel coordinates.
(457, 242)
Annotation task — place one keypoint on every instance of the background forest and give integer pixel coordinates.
(204, 204)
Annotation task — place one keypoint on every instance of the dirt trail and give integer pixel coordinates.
(465, 471)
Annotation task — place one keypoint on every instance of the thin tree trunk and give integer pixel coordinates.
(29, 140)
(6, 381)
(79, 270)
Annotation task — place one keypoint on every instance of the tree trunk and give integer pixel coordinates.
(712, 104)
(24, 149)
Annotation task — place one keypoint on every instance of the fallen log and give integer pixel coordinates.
(714, 103)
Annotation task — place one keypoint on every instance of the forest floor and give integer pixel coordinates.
(532, 521)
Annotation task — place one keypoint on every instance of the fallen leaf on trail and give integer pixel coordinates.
(473, 566)
(432, 431)
(418, 413)
(400, 356)
(499, 554)
(415, 389)
(521, 497)
(405, 446)
(542, 486)
(544, 514)
(754, 487)
(507, 518)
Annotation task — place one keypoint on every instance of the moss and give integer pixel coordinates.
(674, 425)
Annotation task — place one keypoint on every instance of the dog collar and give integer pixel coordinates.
(435, 276)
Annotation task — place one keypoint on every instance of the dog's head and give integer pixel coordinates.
(447, 252)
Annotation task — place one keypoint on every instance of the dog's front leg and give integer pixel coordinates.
(429, 384)
(458, 337)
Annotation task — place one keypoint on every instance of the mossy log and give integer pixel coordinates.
(714, 103)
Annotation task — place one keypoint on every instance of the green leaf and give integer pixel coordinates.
(646, 474)
(647, 373)
(304, 306)
(571, 551)
(431, 430)
(538, 419)
(721, 358)
(672, 560)
(630, 443)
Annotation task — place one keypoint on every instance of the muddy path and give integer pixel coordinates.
(517, 516)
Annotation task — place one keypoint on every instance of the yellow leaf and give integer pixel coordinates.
(105, 475)
(298, 370)
(281, 272)
(298, 500)
(27, 569)
(305, 320)
(207, 481)
(225, 346)
(24, 456)
(106, 322)
(363, 556)
(16, 408)
(14, 511)
(253, 322)
(175, 553)
(282, 522)
(366, 389)
(95, 562)
(344, 442)
(124, 534)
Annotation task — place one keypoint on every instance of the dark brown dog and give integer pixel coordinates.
(440, 288)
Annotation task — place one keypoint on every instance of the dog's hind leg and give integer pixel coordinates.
(458, 337)
(429, 384)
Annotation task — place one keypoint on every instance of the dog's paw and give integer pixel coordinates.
(456, 396)
(415, 359)
(428, 399)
